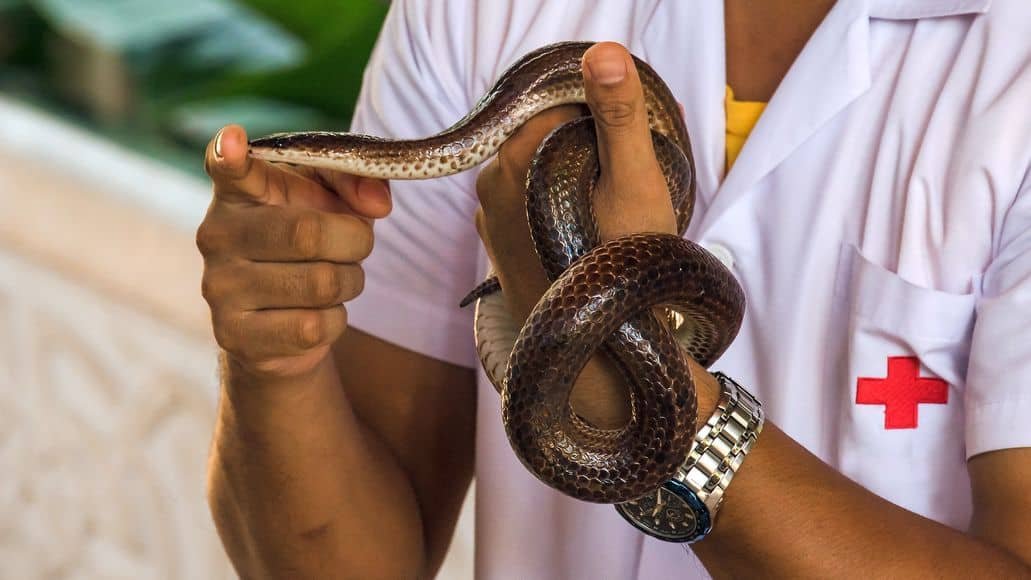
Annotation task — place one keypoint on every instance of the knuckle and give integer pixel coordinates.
(309, 329)
(481, 226)
(364, 240)
(306, 237)
(324, 285)
(226, 329)
(487, 180)
(274, 183)
(211, 288)
(510, 174)
(354, 283)
(341, 312)
(209, 238)
(617, 113)
(221, 284)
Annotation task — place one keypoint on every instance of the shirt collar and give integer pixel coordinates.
(915, 9)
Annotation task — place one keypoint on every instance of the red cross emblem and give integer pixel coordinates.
(901, 391)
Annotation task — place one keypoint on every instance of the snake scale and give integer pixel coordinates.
(603, 295)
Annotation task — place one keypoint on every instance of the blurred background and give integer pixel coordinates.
(107, 365)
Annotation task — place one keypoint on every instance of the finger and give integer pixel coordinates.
(481, 228)
(239, 178)
(236, 176)
(277, 285)
(268, 334)
(365, 196)
(288, 234)
(614, 94)
(481, 225)
(513, 157)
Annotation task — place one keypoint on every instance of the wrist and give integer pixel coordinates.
(284, 369)
(243, 384)
(684, 508)
(600, 396)
(708, 391)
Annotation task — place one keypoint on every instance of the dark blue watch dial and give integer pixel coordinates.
(672, 513)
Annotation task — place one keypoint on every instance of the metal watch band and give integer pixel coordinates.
(722, 443)
(684, 508)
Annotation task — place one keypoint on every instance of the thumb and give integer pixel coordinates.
(631, 180)
(616, 99)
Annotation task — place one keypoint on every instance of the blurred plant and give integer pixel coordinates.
(178, 70)
(21, 35)
(339, 35)
(322, 88)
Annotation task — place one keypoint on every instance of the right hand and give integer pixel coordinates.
(282, 250)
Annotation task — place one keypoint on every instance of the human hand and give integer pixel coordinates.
(282, 248)
(631, 196)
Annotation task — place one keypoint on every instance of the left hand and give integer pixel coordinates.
(631, 197)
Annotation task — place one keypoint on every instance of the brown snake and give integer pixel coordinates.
(602, 295)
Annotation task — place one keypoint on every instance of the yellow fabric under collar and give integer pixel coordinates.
(741, 118)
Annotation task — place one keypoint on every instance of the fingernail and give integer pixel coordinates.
(218, 144)
(607, 66)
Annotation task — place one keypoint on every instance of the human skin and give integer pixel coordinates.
(340, 455)
(334, 453)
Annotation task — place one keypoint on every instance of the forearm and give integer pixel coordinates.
(788, 514)
(299, 488)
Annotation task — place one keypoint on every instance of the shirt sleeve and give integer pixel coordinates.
(998, 391)
(425, 255)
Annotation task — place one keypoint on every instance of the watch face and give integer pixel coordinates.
(672, 513)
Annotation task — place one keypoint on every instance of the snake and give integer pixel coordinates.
(648, 301)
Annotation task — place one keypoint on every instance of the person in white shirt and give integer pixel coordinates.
(878, 218)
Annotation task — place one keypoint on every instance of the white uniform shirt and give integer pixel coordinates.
(878, 218)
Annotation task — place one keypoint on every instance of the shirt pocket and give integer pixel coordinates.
(903, 369)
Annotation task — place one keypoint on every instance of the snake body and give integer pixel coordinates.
(603, 295)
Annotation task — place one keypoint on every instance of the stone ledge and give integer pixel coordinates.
(102, 215)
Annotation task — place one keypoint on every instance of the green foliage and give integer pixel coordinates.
(192, 66)
(339, 36)
(21, 35)
(325, 23)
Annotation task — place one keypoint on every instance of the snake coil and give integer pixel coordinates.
(603, 295)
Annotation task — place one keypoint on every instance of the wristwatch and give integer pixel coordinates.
(683, 509)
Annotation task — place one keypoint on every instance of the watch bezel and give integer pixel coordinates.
(703, 520)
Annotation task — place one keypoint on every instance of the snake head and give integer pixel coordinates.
(345, 152)
(289, 147)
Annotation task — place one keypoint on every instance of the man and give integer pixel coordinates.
(877, 219)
